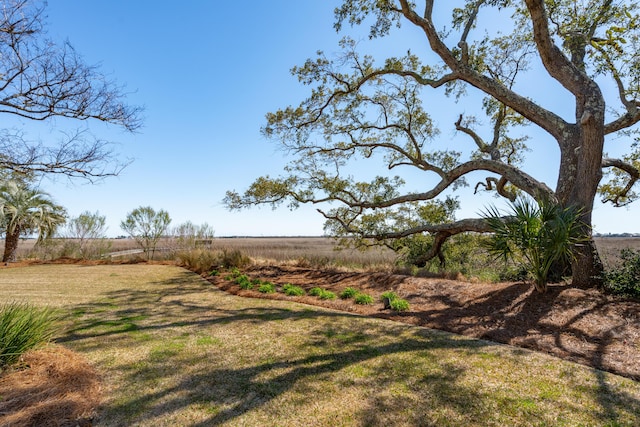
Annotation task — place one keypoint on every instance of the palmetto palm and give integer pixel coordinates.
(539, 233)
(26, 210)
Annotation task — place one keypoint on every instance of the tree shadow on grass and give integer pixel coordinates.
(234, 392)
(231, 392)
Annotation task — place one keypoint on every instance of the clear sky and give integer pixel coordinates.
(207, 72)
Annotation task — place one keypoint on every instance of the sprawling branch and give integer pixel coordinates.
(39, 79)
(544, 118)
(76, 155)
(619, 192)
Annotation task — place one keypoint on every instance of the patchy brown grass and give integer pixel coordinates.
(52, 386)
(174, 350)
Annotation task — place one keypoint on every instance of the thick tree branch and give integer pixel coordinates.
(555, 62)
(544, 118)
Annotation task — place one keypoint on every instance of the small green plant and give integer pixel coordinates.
(625, 278)
(233, 274)
(348, 293)
(293, 290)
(392, 301)
(316, 292)
(388, 295)
(363, 299)
(267, 288)
(399, 304)
(244, 282)
(536, 234)
(327, 295)
(23, 327)
(214, 272)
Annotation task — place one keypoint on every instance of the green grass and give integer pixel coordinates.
(174, 350)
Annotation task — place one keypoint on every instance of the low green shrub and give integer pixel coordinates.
(625, 278)
(389, 295)
(363, 299)
(327, 295)
(316, 292)
(292, 290)
(348, 293)
(23, 327)
(267, 288)
(244, 283)
(399, 304)
(233, 274)
(394, 303)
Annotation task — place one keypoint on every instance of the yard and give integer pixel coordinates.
(173, 349)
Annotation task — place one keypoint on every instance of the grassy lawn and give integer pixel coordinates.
(173, 350)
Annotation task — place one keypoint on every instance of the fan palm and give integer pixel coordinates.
(538, 233)
(25, 210)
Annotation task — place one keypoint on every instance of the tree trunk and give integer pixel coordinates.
(11, 245)
(580, 175)
(587, 267)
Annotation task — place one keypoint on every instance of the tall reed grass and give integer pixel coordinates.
(23, 327)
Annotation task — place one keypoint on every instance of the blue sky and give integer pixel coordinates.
(207, 73)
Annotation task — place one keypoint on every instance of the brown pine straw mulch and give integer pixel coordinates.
(580, 325)
(52, 386)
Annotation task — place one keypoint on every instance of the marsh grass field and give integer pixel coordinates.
(172, 349)
(314, 251)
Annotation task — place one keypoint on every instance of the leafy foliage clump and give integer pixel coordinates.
(348, 293)
(327, 295)
(536, 234)
(244, 282)
(625, 278)
(23, 327)
(316, 292)
(292, 290)
(267, 288)
(322, 293)
(399, 304)
(390, 295)
(363, 299)
(395, 303)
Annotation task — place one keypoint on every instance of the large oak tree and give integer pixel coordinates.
(361, 108)
(41, 80)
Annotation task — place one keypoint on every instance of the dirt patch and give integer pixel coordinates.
(50, 387)
(583, 326)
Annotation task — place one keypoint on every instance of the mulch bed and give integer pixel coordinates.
(581, 325)
(52, 386)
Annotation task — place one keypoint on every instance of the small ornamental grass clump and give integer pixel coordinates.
(348, 293)
(322, 293)
(292, 290)
(363, 299)
(315, 291)
(233, 274)
(244, 282)
(394, 303)
(23, 327)
(267, 288)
